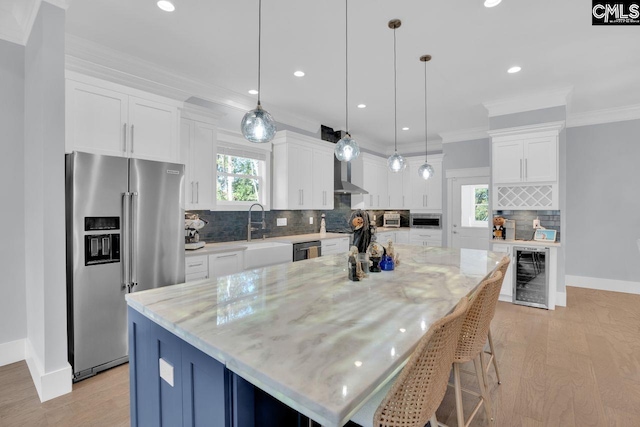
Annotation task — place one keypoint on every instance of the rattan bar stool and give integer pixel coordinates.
(413, 396)
(503, 265)
(473, 336)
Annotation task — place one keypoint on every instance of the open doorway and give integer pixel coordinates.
(469, 212)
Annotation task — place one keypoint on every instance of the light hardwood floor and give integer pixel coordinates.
(575, 366)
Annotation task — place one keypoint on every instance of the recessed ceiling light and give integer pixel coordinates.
(253, 92)
(491, 3)
(299, 74)
(405, 128)
(362, 106)
(514, 69)
(166, 5)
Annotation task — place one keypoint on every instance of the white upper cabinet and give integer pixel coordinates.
(425, 195)
(302, 172)
(198, 143)
(369, 172)
(107, 118)
(525, 159)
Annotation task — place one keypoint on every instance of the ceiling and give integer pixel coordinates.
(215, 44)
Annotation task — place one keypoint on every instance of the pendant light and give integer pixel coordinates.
(257, 125)
(347, 148)
(396, 162)
(426, 170)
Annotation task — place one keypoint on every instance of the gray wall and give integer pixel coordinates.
(13, 317)
(603, 201)
(544, 115)
(461, 155)
(44, 190)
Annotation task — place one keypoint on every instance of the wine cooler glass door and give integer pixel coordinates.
(531, 277)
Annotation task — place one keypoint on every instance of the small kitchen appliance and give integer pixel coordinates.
(391, 219)
(193, 223)
(426, 220)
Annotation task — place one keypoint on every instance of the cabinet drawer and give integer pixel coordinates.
(335, 246)
(196, 276)
(196, 264)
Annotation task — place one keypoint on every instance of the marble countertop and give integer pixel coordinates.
(240, 245)
(525, 242)
(310, 337)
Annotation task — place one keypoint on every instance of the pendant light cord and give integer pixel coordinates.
(346, 62)
(395, 94)
(426, 139)
(259, 45)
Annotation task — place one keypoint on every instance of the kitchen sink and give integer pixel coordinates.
(263, 254)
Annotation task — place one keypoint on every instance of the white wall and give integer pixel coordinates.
(44, 204)
(13, 317)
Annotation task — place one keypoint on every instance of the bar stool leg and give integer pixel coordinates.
(493, 357)
(486, 400)
(433, 421)
(458, 391)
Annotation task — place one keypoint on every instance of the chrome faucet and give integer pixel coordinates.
(263, 225)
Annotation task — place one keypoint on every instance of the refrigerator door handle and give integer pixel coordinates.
(134, 239)
(126, 273)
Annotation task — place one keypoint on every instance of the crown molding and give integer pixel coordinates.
(534, 101)
(16, 20)
(550, 127)
(609, 115)
(85, 57)
(200, 114)
(63, 4)
(416, 148)
(464, 135)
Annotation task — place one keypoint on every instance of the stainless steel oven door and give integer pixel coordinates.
(432, 221)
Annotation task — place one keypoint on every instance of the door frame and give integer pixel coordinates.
(451, 175)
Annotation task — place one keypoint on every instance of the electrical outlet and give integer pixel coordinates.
(280, 222)
(310, 220)
(536, 223)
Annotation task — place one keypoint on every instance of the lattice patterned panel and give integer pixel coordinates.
(531, 196)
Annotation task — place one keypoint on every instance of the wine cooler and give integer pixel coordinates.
(531, 276)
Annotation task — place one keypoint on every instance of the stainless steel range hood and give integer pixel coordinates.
(342, 179)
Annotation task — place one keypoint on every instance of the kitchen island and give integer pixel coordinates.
(300, 332)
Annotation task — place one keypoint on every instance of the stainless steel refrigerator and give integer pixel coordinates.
(125, 233)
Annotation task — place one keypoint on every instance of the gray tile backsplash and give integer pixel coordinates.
(524, 221)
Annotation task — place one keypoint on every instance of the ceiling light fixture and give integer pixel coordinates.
(253, 91)
(347, 148)
(362, 105)
(405, 128)
(514, 69)
(396, 162)
(426, 170)
(166, 5)
(257, 125)
(491, 3)
(299, 73)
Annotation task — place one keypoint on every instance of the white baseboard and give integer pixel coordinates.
(12, 352)
(505, 298)
(561, 299)
(603, 284)
(48, 384)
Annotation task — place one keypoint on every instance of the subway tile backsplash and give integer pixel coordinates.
(524, 221)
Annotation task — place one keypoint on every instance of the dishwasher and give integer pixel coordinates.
(531, 276)
(301, 250)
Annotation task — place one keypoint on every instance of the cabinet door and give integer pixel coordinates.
(402, 237)
(507, 162)
(434, 187)
(540, 159)
(225, 264)
(153, 131)
(300, 164)
(383, 185)
(322, 179)
(385, 236)
(370, 183)
(395, 188)
(96, 120)
(335, 246)
(419, 187)
(203, 162)
(186, 136)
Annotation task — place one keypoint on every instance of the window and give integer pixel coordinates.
(475, 205)
(240, 177)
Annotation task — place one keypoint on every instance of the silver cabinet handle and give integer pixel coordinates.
(526, 169)
(195, 264)
(197, 191)
(378, 200)
(426, 200)
(302, 192)
(132, 138)
(191, 191)
(403, 201)
(389, 201)
(124, 138)
(521, 175)
(226, 256)
(370, 199)
(126, 283)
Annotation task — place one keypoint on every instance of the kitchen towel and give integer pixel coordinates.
(313, 252)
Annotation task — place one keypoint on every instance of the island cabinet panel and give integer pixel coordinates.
(191, 389)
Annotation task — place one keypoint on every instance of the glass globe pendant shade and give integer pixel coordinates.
(258, 126)
(425, 171)
(396, 163)
(347, 149)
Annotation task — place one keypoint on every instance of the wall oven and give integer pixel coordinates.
(426, 220)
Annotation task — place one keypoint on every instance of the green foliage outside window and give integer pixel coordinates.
(482, 204)
(238, 179)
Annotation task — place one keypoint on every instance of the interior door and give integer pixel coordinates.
(469, 203)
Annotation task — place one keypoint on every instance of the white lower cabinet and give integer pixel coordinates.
(424, 237)
(339, 245)
(507, 288)
(384, 237)
(226, 263)
(196, 268)
(402, 237)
